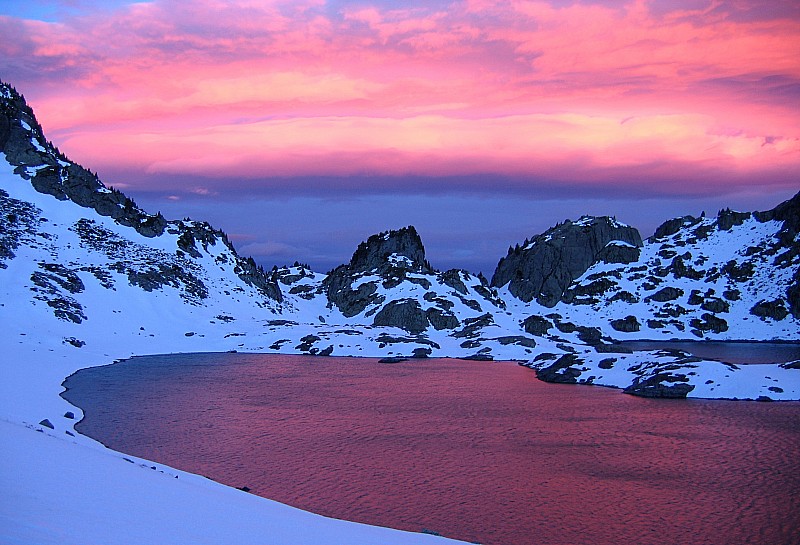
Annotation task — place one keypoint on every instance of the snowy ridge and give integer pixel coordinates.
(86, 278)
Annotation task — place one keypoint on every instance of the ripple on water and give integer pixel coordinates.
(473, 450)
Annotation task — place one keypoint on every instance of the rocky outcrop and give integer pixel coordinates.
(565, 370)
(544, 268)
(672, 226)
(391, 250)
(452, 278)
(629, 324)
(770, 309)
(405, 314)
(537, 325)
(787, 246)
(664, 385)
(665, 294)
(50, 172)
(390, 256)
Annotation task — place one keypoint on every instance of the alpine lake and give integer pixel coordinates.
(478, 451)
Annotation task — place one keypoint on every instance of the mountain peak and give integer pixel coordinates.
(401, 248)
(544, 267)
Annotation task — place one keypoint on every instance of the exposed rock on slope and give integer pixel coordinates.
(733, 276)
(545, 267)
(50, 172)
(391, 256)
(92, 267)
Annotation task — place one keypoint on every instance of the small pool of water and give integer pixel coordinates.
(739, 353)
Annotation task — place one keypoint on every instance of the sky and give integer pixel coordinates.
(301, 127)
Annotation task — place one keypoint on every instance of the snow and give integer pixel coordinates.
(73, 493)
(620, 243)
(400, 260)
(61, 487)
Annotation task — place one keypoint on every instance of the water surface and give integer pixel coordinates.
(739, 353)
(472, 450)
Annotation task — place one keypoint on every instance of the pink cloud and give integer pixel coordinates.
(516, 88)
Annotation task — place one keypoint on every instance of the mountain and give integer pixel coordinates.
(88, 277)
(544, 268)
(92, 265)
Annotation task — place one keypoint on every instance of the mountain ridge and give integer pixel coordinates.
(108, 269)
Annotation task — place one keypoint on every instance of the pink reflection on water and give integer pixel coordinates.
(472, 450)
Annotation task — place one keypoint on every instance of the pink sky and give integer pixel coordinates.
(548, 90)
(178, 101)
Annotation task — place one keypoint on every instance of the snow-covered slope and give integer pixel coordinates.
(80, 287)
(87, 277)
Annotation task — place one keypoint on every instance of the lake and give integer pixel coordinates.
(739, 353)
(480, 451)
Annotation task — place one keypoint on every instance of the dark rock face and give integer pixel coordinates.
(619, 253)
(442, 319)
(537, 325)
(628, 324)
(405, 314)
(665, 385)
(672, 226)
(350, 301)
(473, 325)
(770, 309)
(588, 293)
(385, 339)
(389, 255)
(665, 294)
(452, 279)
(17, 220)
(307, 344)
(562, 371)
(375, 253)
(544, 268)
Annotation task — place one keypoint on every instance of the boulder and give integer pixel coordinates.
(665, 294)
(770, 309)
(715, 305)
(403, 313)
(709, 322)
(563, 371)
(537, 325)
(441, 319)
(666, 385)
(629, 324)
(672, 226)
